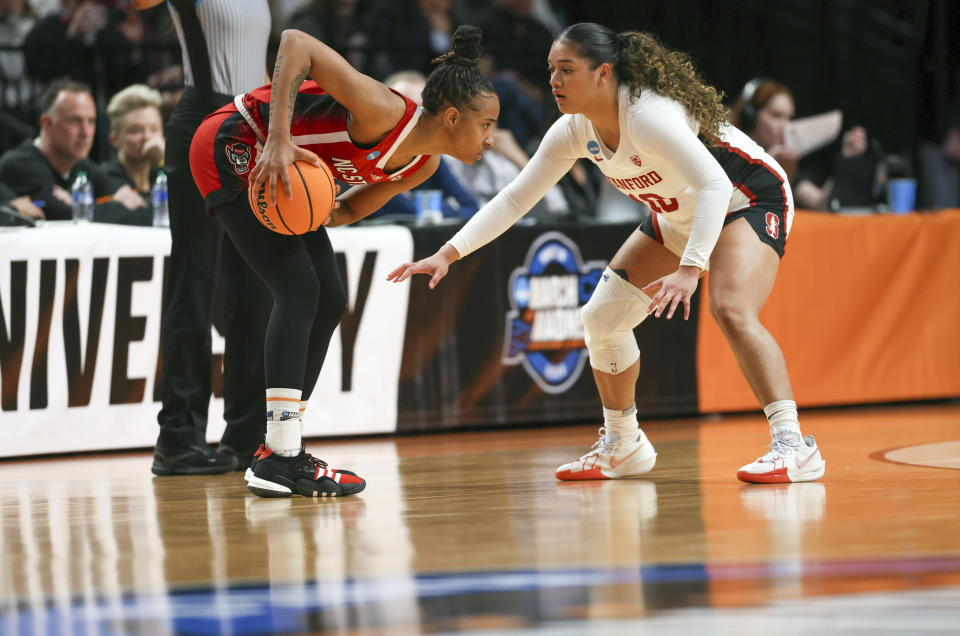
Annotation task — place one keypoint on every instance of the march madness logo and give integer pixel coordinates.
(543, 330)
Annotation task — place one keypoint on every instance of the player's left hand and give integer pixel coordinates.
(335, 218)
(675, 288)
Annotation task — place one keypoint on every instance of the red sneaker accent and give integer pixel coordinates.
(349, 479)
(263, 452)
(580, 475)
(778, 476)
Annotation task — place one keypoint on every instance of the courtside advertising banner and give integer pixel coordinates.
(499, 342)
(80, 310)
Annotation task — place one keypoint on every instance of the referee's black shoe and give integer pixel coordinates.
(198, 459)
(244, 457)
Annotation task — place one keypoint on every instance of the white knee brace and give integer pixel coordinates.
(609, 317)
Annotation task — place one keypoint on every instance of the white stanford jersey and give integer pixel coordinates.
(660, 162)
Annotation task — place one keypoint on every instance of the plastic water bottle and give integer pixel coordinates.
(82, 195)
(161, 209)
(429, 204)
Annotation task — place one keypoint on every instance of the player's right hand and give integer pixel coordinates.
(273, 164)
(435, 266)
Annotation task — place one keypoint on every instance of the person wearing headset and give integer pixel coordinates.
(762, 111)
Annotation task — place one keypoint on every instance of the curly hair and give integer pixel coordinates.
(457, 81)
(642, 62)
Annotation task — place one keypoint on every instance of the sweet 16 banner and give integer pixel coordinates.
(80, 309)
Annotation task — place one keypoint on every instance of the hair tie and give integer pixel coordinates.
(461, 60)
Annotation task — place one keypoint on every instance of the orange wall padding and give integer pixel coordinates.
(865, 308)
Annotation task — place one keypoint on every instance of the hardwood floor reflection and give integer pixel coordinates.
(471, 531)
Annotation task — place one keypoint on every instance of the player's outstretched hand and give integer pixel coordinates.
(675, 288)
(435, 266)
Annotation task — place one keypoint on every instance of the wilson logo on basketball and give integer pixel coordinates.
(262, 205)
(308, 204)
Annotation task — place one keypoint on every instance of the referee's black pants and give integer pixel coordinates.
(198, 243)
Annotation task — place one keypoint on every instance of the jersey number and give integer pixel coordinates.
(656, 202)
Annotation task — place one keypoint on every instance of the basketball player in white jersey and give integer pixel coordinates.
(642, 115)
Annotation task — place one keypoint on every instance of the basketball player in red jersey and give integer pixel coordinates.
(369, 136)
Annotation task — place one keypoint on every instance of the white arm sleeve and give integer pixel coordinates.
(552, 160)
(660, 128)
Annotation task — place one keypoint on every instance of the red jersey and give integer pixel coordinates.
(224, 149)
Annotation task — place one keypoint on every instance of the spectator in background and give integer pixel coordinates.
(16, 207)
(457, 200)
(89, 42)
(45, 168)
(511, 33)
(16, 91)
(425, 35)
(486, 177)
(939, 161)
(341, 24)
(479, 11)
(136, 131)
(762, 111)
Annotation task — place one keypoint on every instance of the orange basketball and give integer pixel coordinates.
(312, 201)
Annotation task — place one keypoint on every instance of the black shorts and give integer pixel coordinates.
(767, 224)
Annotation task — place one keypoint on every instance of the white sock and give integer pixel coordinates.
(303, 407)
(283, 421)
(782, 416)
(620, 424)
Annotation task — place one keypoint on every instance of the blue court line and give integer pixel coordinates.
(257, 608)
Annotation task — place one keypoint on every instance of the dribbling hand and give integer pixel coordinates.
(273, 163)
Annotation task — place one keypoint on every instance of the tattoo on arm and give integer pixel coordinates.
(298, 80)
(276, 68)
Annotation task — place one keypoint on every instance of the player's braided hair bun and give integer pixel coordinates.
(456, 81)
(465, 48)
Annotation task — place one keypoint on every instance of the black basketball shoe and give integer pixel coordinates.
(273, 475)
(198, 459)
(245, 457)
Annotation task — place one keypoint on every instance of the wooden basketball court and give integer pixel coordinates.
(469, 532)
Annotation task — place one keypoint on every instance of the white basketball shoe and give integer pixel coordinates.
(790, 459)
(620, 459)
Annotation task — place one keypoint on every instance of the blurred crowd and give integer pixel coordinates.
(85, 85)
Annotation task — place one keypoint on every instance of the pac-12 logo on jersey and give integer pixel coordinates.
(544, 333)
(773, 225)
(239, 156)
(636, 160)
